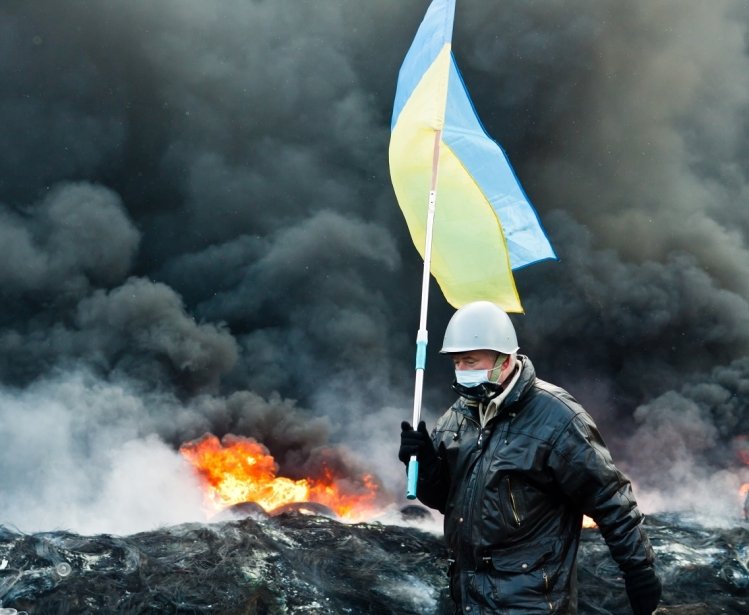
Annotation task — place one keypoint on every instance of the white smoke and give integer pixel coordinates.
(78, 453)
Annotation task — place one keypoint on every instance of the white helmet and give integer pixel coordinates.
(480, 325)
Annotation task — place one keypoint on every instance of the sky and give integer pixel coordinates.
(200, 235)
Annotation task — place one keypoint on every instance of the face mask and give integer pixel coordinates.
(471, 377)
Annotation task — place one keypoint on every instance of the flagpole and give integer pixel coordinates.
(428, 83)
(422, 335)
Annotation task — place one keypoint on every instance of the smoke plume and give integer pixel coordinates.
(200, 235)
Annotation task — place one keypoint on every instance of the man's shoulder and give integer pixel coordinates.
(557, 402)
(550, 388)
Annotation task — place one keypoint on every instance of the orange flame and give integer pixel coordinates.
(588, 522)
(744, 496)
(238, 469)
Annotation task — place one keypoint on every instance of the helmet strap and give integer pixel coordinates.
(496, 371)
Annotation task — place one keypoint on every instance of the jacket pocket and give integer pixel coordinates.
(524, 558)
(522, 572)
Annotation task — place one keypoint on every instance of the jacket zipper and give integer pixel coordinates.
(513, 505)
(468, 510)
(546, 591)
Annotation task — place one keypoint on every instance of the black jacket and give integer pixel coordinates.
(513, 496)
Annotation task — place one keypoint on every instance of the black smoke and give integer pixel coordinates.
(200, 234)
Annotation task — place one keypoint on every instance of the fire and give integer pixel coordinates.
(238, 469)
(741, 448)
(744, 495)
(588, 522)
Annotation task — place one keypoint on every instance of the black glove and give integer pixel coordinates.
(417, 443)
(644, 590)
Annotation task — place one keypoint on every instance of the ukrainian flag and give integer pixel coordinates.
(484, 226)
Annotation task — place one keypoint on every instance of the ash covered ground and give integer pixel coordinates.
(313, 564)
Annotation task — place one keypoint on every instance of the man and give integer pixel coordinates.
(513, 465)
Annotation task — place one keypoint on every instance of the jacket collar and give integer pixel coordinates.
(488, 412)
(525, 381)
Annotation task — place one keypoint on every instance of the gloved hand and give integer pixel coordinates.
(417, 443)
(644, 590)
